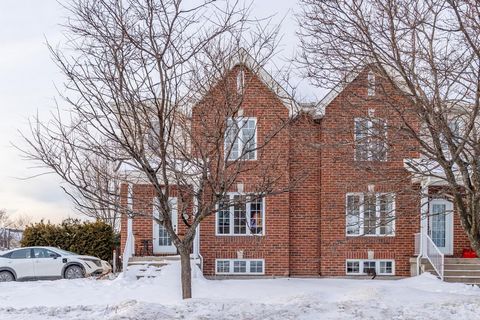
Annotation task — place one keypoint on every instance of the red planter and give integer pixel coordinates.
(469, 253)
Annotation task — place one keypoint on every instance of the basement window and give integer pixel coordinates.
(240, 266)
(363, 267)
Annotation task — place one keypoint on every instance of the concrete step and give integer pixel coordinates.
(157, 264)
(463, 279)
(155, 258)
(462, 266)
(462, 261)
(461, 273)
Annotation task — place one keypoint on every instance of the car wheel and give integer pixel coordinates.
(74, 272)
(6, 276)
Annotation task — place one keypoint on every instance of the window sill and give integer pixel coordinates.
(370, 235)
(239, 235)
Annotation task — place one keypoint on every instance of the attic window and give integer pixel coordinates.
(371, 84)
(240, 81)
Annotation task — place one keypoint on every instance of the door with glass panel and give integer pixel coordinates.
(162, 242)
(440, 225)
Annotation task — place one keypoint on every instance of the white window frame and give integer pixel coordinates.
(228, 148)
(377, 266)
(370, 122)
(248, 261)
(248, 217)
(361, 215)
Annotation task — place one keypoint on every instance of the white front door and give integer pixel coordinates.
(440, 225)
(162, 243)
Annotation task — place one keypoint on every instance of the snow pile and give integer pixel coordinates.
(422, 297)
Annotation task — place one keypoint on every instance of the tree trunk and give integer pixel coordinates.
(186, 273)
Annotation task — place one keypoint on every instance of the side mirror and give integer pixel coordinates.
(54, 255)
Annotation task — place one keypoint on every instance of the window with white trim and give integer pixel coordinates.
(364, 267)
(370, 139)
(241, 139)
(240, 214)
(240, 266)
(370, 214)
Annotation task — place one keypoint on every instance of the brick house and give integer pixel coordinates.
(356, 208)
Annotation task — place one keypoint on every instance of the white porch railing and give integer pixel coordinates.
(434, 255)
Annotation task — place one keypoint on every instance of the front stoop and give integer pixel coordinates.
(459, 270)
(151, 266)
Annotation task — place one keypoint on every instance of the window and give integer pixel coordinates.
(370, 214)
(43, 253)
(369, 267)
(239, 214)
(370, 139)
(353, 266)
(364, 267)
(371, 84)
(21, 254)
(386, 267)
(240, 266)
(256, 266)
(241, 139)
(223, 266)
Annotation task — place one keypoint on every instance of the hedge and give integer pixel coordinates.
(88, 238)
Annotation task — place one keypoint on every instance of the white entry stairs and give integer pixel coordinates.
(461, 270)
(150, 266)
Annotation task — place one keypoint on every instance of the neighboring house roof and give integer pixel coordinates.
(429, 172)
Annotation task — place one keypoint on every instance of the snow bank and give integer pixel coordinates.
(422, 297)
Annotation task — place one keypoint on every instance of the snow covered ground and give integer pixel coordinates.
(422, 297)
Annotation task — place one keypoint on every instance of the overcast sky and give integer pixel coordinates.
(27, 85)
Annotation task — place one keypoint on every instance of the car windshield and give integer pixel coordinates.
(65, 252)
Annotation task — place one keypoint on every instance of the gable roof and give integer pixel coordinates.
(349, 78)
(242, 57)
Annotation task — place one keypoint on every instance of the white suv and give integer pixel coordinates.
(48, 263)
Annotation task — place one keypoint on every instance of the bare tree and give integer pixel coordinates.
(430, 52)
(11, 229)
(151, 88)
(102, 201)
(4, 219)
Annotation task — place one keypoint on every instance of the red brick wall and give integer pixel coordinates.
(270, 112)
(305, 196)
(341, 174)
(305, 227)
(460, 238)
